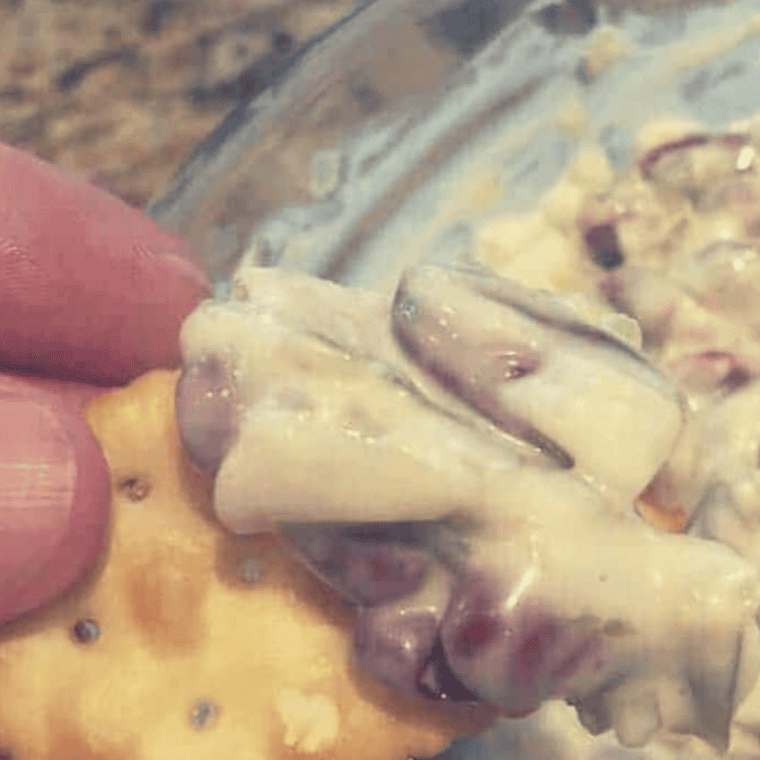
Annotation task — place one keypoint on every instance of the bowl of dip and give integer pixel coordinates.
(605, 154)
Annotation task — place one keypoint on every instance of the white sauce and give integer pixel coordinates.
(326, 436)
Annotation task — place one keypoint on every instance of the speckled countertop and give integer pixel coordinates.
(120, 91)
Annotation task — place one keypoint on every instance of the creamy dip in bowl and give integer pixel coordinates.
(467, 453)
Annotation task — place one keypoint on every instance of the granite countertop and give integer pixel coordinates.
(121, 91)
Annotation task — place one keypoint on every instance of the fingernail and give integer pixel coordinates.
(50, 527)
(191, 270)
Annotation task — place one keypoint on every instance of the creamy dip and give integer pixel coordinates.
(517, 421)
(673, 245)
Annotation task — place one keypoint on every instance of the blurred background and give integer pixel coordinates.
(121, 91)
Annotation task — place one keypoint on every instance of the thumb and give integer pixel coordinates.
(54, 497)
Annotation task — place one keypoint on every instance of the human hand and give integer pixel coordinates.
(92, 294)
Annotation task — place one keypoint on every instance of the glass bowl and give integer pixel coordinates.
(389, 136)
(393, 136)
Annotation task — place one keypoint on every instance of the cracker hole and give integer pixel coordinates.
(203, 714)
(251, 570)
(134, 489)
(84, 632)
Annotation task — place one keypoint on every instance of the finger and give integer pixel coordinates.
(54, 498)
(89, 288)
(73, 394)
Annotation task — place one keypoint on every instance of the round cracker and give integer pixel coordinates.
(189, 642)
